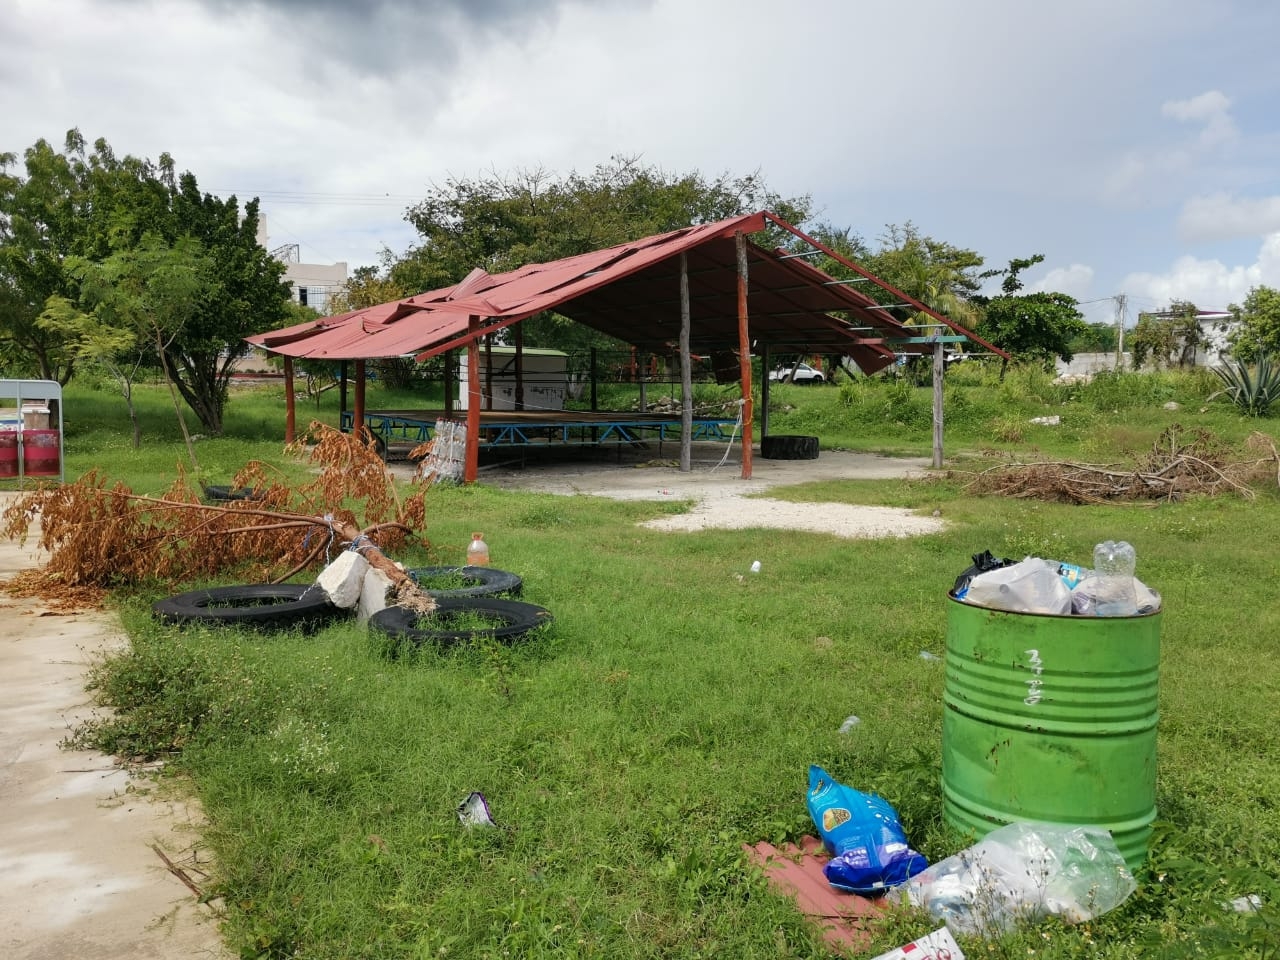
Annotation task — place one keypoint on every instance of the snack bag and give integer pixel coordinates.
(869, 851)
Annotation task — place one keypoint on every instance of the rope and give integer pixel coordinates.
(732, 436)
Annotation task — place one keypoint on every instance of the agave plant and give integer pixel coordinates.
(1251, 393)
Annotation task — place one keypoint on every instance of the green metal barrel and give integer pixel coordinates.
(1051, 719)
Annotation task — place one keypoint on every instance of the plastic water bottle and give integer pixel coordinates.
(477, 551)
(1113, 564)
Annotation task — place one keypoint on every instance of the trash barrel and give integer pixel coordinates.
(1051, 719)
(40, 453)
(8, 453)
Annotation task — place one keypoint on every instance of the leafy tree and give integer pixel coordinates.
(250, 297)
(135, 304)
(1035, 326)
(1096, 338)
(1167, 337)
(87, 206)
(499, 222)
(73, 203)
(1258, 325)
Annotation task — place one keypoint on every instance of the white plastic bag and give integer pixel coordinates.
(1084, 598)
(1021, 872)
(1032, 586)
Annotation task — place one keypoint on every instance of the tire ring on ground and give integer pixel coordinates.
(480, 581)
(217, 494)
(788, 447)
(516, 618)
(263, 605)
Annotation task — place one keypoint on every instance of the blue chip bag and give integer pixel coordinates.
(869, 851)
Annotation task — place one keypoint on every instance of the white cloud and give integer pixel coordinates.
(1075, 281)
(1209, 284)
(1221, 216)
(1213, 109)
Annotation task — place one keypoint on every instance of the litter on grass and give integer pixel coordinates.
(1021, 872)
(939, 945)
(474, 811)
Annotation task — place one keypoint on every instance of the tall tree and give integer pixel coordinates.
(92, 205)
(136, 303)
(75, 202)
(1168, 337)
(1258, 325)
(1036, 326)
(499, 222)
(250, 297)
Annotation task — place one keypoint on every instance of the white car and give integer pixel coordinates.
(804, 374)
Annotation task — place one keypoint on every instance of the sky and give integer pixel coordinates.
(1134, 143)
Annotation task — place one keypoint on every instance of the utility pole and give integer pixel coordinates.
(1120, 299)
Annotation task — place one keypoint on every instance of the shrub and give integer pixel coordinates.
(1254, 393)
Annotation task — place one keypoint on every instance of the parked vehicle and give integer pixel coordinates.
(803, 374)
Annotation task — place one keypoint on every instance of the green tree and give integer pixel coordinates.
(250, 297)
(79, 205)
(1257, 325)
(1167, 337)
(70, 203)
(500, 222)
(1096, 338)
(134, 305)
(1036, 326)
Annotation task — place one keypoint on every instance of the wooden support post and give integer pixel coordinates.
(357, 416)
(290, 403)
(342, 386)
(686, 371)
(938, 365)
(471, 466)
(744, 354)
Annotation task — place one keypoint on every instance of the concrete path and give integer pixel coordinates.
(79, 877)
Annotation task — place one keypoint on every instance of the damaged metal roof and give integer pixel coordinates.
(631, 292)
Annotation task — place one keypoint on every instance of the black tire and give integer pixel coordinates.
(219, 494)
(480, 581)
(516, 619)
(788, 447)
(264, 606)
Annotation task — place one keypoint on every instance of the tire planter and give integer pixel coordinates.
(263, 606)
(478, 581)
(782, 446)
(438, 628)
(220, 494)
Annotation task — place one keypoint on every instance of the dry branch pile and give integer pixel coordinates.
(99, 536)
(1178, 465)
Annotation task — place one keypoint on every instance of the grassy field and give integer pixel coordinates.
(670, 713)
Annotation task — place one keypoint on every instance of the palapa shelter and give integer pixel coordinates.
(707, 289)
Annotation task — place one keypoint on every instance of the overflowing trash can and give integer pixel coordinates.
(1051, 718)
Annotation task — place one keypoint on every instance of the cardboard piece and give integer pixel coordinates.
(939, 945)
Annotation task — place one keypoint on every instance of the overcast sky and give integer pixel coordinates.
(1135, 143)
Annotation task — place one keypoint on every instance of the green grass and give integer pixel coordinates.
(670, 713)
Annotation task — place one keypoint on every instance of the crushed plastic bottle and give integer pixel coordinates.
(477, 551)
(1113, 565)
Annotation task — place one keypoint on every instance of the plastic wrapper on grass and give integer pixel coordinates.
(869, 851)
(1022, 872)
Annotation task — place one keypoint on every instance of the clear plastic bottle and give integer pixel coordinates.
(1113, 565)
(477, 551)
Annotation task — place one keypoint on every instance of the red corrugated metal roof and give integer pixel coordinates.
(631, 292)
